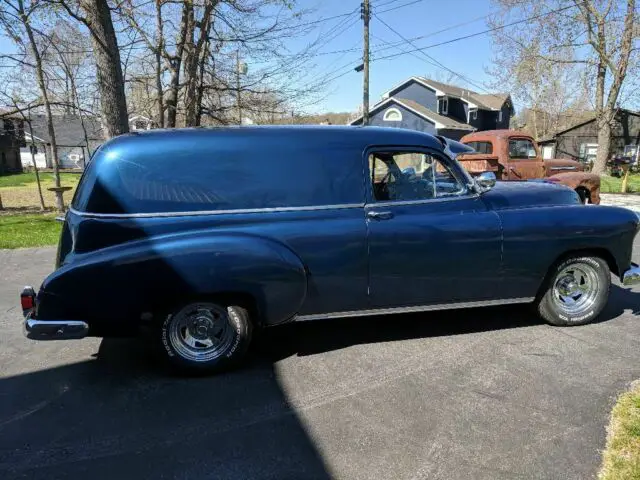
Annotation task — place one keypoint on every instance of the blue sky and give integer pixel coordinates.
(425, 17)
(411, 18)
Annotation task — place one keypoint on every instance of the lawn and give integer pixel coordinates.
(621, 458)
(610, 184)
(20, 191)
(17, 231)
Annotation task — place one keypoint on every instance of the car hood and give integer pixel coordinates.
(529, 194)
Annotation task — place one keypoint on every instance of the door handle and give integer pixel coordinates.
(376, 215)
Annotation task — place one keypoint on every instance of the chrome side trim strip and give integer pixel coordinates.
(563, 168)
(216, 212)
(424, 201)
(417, 308)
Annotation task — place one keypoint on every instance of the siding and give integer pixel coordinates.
(409, 120)
(624, 132)
(452, 134)
(418, 93)
(457, 110)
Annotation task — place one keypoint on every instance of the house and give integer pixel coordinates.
(11, 139)
(76, 137)
(438, 108)
(580, 141)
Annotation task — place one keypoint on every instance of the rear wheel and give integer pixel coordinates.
(577, 291)
(206, 336)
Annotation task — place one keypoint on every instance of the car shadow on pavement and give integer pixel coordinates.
(121, 415)
(308, 338)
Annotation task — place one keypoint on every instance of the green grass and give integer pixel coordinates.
(621, 458)
(612, 184)
(27, 179)
(18, 231)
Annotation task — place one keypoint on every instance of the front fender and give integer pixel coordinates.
(575, 180)
(124, 282)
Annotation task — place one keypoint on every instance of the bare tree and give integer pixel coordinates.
(96, 16)
(13, 13)
(589, 38)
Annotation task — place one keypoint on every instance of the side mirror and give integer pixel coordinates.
(486, 180)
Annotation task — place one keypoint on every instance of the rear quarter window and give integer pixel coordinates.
(481, 147)
(225, 178)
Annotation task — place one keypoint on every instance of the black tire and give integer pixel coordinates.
(588, 286)
(205, 337)
(583, 193)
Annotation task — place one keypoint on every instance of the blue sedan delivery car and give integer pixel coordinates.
(202, 235)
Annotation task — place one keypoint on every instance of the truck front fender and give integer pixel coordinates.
(127, 281)
(576, 180)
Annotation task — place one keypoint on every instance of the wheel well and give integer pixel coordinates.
(241, 299)
(585, 252)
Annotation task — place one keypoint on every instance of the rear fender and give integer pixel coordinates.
(127, 281)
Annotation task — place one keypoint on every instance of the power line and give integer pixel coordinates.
(399, 6)
(431, 60)
(464, 37)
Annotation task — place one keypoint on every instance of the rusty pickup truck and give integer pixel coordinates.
(513, 155)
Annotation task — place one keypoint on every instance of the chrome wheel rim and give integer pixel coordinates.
(201, 332)
(575, 289)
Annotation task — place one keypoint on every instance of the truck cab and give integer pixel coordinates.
(515, 156)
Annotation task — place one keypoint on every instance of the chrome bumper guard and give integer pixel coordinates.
(54, 329)
(631, 276)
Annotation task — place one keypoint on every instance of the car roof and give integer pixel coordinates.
(305, 135)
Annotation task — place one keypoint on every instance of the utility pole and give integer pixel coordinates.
(238, 86)
(364, 14)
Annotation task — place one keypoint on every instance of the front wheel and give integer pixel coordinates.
(206, 336)
(577, 291)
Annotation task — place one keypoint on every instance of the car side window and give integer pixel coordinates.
(521, 148)
(407, 176)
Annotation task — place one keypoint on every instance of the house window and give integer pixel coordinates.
(444, 106)
(392, 115)
(474, 114)
(500, 116)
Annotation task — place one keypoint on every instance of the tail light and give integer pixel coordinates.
(27, 300)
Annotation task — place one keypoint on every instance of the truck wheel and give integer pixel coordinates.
(583, 193)
(576, 292)
(206, 337)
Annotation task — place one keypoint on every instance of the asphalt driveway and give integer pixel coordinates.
(486, 393)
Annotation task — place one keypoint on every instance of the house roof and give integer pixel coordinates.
(439, 120)
(446, 122)
(68, 129)
(485, 101)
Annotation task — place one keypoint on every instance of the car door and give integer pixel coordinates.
(431, 239)
(523, 161)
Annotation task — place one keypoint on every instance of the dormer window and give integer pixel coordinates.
(444, 106)
(474, 114)
(392, 115)
(500, 116)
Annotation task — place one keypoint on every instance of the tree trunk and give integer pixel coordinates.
(109, 69)
(175, 64)
(47, 106)
(32, 148)
(604, 146)
(159, 49)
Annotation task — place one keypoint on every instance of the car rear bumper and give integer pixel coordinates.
(54, 329)
(631, 276)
